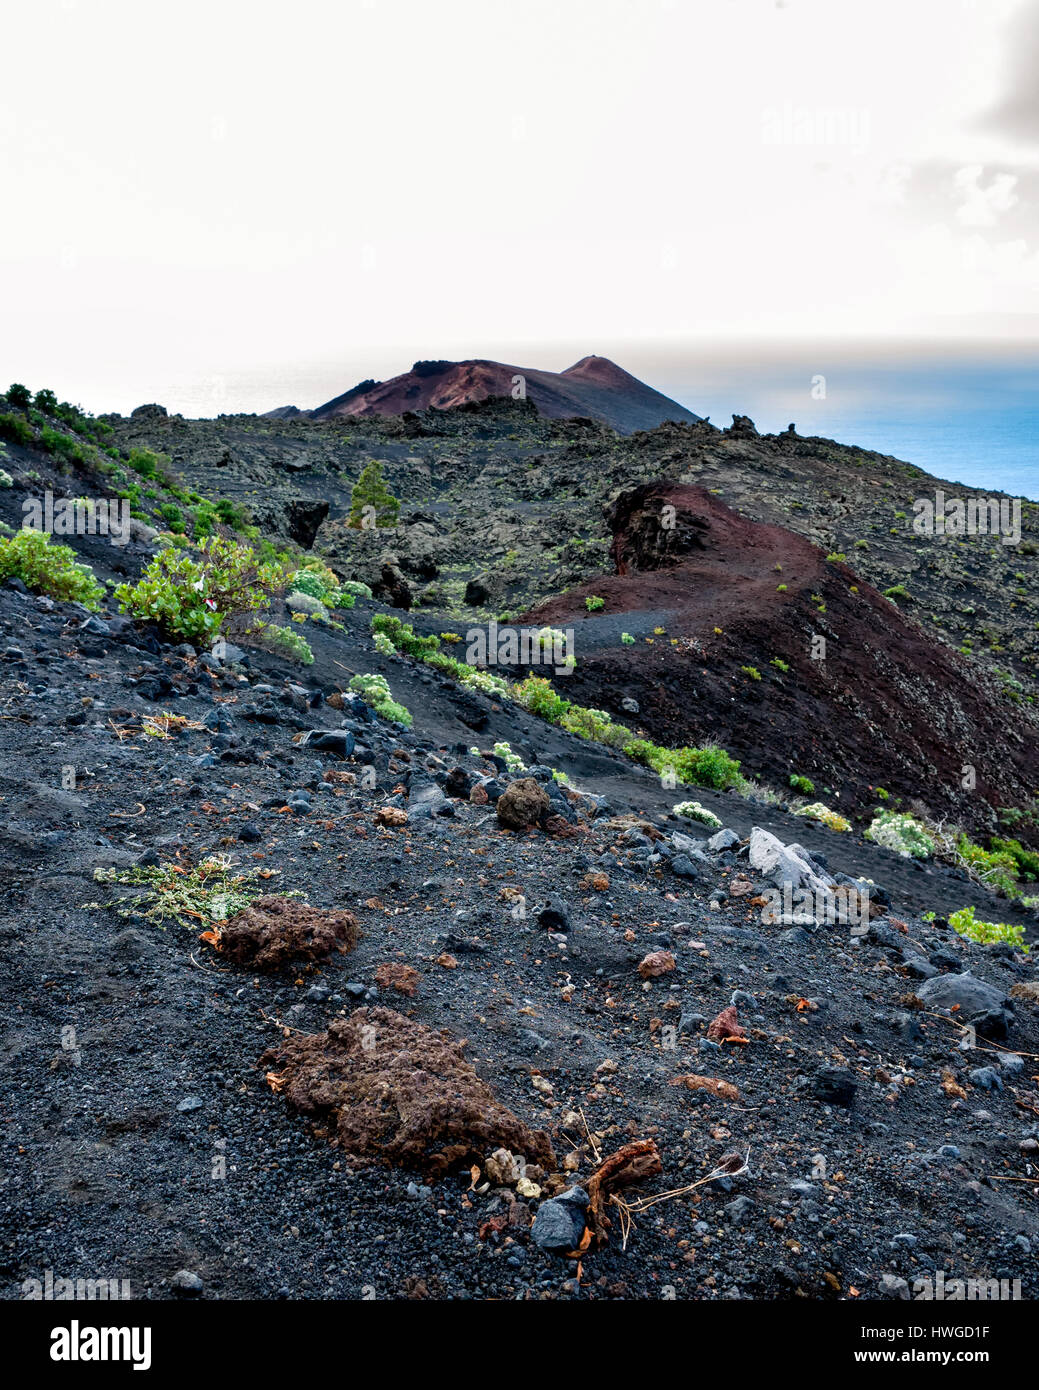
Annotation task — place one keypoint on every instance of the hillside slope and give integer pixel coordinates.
(580, 962)
(594, 388)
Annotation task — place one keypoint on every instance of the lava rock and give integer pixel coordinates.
(834, 1086)
(522, 804)
(559, 1224)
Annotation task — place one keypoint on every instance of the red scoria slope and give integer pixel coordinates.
(887, 706)
(594, 388)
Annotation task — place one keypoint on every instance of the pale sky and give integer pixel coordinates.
(304, 195)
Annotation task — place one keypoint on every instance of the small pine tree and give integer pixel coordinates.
(371, 502)
(19, 395)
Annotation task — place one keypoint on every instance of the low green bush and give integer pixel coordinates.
(375, 691)
(282, 641)
(986, 933)
(899, 831)
(317, 580)
(692, 810)
(709, 766)
(538, 695)
(997, 868)
(195, 592)
(403, 636)
(1027, 860)
(823, 814)
(48, 569)
(16, 429)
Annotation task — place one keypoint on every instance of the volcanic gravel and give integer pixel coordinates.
(142, 1138)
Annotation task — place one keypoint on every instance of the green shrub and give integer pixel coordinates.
(823, 814)
(146, 463)
(19, 395)
(48, 569)
(996, 868)
(899, 831)
(375, 691)
(779, 664)
(16, 429)
(897, 591)
(1027, 860)
(204, 520)
(752, 672)
(282, 641)
(595, 724)
(403, 636)
(709, 766)
(538, 695)
(226, 511)
(986, 933)
(627, 639)
(802, 784)
(593, 603)
(692, 810)
(172, 515)
(62, 445)
(355, 588)
(302, 605)
(195, 592)
(317, 580)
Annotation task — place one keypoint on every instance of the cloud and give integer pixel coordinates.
(1016, 114)
(976, 196)
(983, 206)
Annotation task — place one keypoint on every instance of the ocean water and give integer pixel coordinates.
(974, 421)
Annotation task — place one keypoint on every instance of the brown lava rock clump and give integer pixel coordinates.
(522, 804)
(272, 931)
(403, 978)
(398, 1092)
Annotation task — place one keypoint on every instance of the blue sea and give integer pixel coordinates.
(970, 420)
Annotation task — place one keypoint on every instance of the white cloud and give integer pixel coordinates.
(982, 206)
